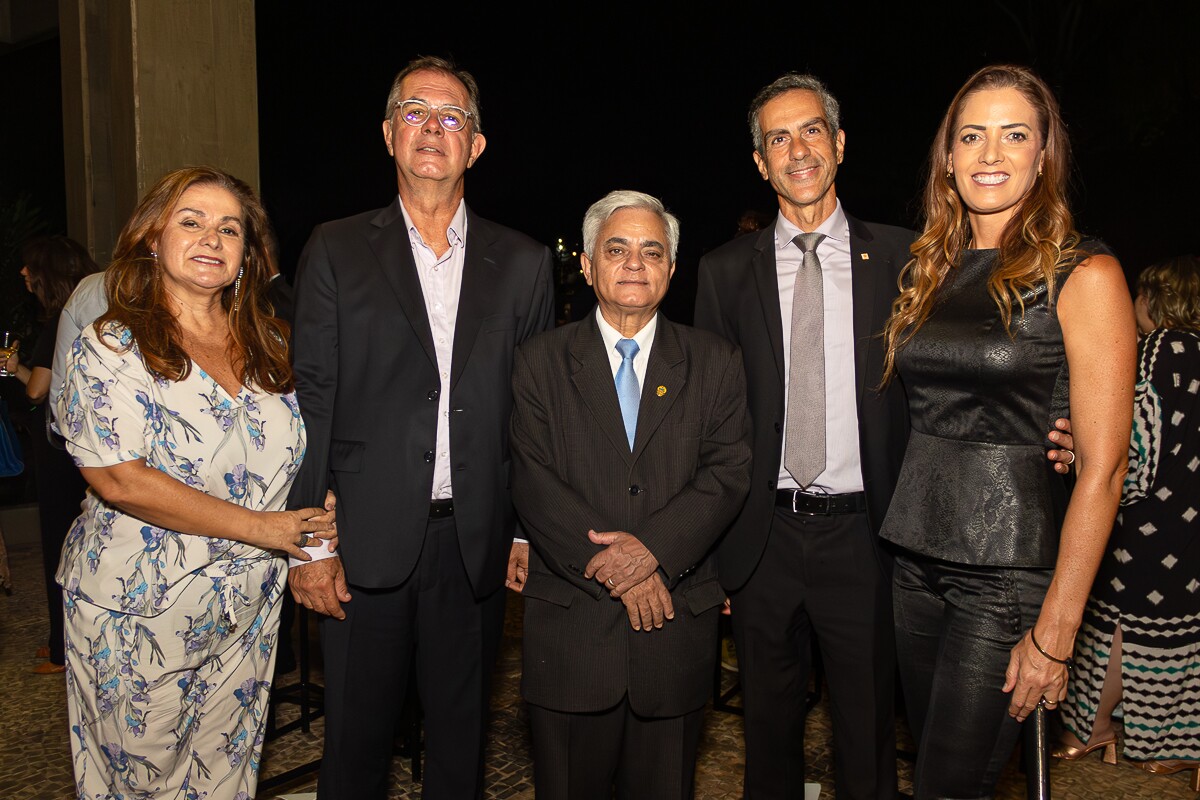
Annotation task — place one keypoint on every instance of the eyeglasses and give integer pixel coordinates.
(416, 113)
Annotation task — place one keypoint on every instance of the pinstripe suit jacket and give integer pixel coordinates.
(676, 491)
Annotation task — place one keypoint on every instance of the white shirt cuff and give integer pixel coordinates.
(317, 551)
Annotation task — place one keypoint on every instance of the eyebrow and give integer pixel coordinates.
(1002, 127)
(624, 241)
(805, 124)
(200, 213)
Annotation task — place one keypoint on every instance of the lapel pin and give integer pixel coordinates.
(661, 391)
(865, 256)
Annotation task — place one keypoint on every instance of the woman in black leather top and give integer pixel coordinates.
(1001, 298)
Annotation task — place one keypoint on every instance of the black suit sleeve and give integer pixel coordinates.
(315, 365)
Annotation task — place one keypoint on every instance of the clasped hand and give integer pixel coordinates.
(629, 571)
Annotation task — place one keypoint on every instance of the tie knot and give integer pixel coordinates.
(628, 348)
(807, 242)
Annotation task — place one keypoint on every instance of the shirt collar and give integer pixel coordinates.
(835, 227)
(456, 231)
(611, 335)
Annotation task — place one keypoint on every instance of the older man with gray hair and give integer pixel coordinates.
(630, 444)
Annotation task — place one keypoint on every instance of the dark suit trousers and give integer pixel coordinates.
(822, 575)
(435, 615)
(581, 756)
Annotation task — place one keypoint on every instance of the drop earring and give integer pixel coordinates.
(237, 288)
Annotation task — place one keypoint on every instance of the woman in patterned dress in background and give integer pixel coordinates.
(178, 407)
(1139, 646)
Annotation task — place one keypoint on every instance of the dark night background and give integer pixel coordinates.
(582, 101)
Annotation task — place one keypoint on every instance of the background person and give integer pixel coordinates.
(53, 265)
(1002, 296)
(1139, 645)
(179, 410)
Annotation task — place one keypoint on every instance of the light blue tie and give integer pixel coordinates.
(628, 391)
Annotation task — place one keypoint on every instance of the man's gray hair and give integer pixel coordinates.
(435, 64)
(787, 83)
(613, 202)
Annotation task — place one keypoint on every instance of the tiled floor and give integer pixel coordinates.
(35, 756)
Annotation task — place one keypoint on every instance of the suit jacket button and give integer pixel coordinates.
(428, 456)
(433, 395)
(635, 490)
(771, 485)
(778, 428)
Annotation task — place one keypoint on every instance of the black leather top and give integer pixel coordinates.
(976, 486)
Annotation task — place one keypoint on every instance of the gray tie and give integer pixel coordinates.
(805, 428)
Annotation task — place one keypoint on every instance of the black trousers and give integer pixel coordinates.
(454, 637)
(955, 627)
(582, 756)
(822, 575)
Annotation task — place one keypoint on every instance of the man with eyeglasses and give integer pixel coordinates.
(406, 322)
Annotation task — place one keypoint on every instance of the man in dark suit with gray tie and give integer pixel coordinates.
(630, 446)
(805, 299)
(406, 322)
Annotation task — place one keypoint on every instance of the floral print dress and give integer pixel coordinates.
(170, 636)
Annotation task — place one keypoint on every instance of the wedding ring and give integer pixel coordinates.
(610, 583)
(303, 540)
(1072, 461)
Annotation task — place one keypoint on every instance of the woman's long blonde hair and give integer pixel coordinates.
(1037, 242)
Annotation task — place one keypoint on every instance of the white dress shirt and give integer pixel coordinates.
(441, 281)
(843, 468)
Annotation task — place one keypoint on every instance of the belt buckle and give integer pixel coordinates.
(812, 496)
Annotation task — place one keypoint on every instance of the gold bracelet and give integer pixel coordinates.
(1066, 662)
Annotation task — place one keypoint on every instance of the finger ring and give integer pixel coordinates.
(303, 540)
(610, 583)
(1072, 461)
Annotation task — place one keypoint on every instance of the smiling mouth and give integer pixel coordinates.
(990, 178)
(212, 262)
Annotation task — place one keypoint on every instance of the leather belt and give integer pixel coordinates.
(799, 502)
(440, 509)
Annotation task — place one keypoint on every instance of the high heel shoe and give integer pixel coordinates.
(1069, 752)
(1171, 767)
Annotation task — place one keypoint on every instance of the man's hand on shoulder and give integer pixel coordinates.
(320, 586)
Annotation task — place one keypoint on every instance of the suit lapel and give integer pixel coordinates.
(592, 377)
(767, 282)
(393, 251)
(665, 372)
(480, 277)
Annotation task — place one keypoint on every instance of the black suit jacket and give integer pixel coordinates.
(367, 383)
(676, 491)
(738, 297)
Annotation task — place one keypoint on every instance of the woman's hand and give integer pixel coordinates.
(1030, 677)
(292, 531)
(13, 362)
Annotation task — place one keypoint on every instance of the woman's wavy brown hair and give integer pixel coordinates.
(56, 265)
(1038, 241)
(137, 298)
(1172, 292)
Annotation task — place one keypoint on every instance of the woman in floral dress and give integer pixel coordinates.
(178, 408)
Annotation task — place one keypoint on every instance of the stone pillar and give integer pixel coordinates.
(150, 86)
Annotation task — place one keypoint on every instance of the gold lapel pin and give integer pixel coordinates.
(865, 256)
(661, 391)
